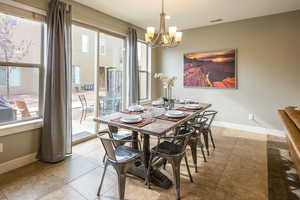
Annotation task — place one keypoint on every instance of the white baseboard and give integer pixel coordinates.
(254, 129)
(18, 162)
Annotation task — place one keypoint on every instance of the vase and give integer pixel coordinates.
(169, 93)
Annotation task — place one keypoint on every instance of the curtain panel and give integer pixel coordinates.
(133, 68)
(56, 136)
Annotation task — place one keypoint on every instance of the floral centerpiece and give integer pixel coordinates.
(168, 84)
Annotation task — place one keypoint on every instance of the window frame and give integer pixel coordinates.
(85, 43)
(41, 70)
(147, 71)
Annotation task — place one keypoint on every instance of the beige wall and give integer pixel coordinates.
(18, 145)
(155, 91)
(268, 67)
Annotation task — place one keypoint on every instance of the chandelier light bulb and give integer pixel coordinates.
(147, 37)
(150, 31)
(172, 31)
(165, 40)
(178, 37)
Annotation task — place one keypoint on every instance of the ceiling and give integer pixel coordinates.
(187, 14)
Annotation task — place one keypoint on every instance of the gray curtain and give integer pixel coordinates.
(133, 67)
(56, 139)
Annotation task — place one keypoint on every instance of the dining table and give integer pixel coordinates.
(158, 125)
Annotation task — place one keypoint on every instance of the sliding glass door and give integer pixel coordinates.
(98, 82)
(111, 73)
(84, 63)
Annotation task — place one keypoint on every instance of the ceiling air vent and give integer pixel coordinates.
(216, 20)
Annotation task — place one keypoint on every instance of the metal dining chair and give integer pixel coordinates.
(195, 141)
(172, 149)
(120, 136)
(207, 133)
(120, 157)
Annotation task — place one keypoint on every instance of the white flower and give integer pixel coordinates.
(167, 81)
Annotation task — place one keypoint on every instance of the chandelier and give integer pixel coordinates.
(162, 38)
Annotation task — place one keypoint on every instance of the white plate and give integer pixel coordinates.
(186, 101)
(157, 103)
(131, 119)
(192, 106)
(136, 108)
(174, 113)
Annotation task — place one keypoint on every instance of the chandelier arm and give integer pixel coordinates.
(155, 39)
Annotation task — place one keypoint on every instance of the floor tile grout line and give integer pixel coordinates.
(77, 191)
(71, 180)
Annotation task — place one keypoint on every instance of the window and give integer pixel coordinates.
(84, 63)
(144, 70)
(111, 73)
(13, 78)
(102, 46)
(76, 75)
(20, 63)
(84, 43)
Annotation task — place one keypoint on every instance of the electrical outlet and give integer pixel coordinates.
(1, 147)
(251, 116)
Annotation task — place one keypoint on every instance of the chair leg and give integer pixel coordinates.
(211, 138)
(193, 146)
(85, 115)
(188, 168)
(121, 183)
(100, 186)
(104, 157)
(205, 136)
(165, 164)
(202, 150)
(121, 170)
(82, 113)
(176, 173)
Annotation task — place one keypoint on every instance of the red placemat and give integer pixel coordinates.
(140, 124)
(188, 110)
(164, 117)
(132, 112)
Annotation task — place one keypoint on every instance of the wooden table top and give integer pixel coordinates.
(158, 127)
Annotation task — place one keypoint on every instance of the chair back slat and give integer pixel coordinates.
(182, 137)
(109, 148)
(113, 129)
(210, 114)
(108, 144)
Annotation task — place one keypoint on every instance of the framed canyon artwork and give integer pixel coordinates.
(215, 69)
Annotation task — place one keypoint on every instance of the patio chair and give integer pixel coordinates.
(120, 157)
(85, 108)
(172, 149)
(22, 108)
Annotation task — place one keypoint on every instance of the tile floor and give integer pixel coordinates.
(236, 170)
